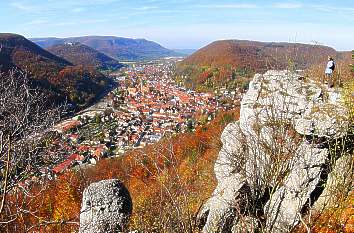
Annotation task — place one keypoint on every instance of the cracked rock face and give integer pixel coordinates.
(106, 207)
(286, 203)
(273, 160)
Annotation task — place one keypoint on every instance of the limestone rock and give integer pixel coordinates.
(340, 176)
(106, 207)
(323, 120)
(275, 156)
(220, 210)
(228, 162)
(285, 204)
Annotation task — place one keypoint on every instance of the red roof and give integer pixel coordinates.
(67, 163)
(84, 148)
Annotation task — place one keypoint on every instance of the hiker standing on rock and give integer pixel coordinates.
(329, 71)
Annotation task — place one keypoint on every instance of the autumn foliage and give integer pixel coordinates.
(232, 62)
(79, 54)
(168, 182)
(333, 220)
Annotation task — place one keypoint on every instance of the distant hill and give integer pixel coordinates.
(17, 50)
(345, 56)
(79, 54)
(59, 78)
(122, 49)
(225, 60)
(260, 56)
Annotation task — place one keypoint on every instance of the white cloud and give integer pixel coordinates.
(146, 8)
(230, 6)
(24, 6)
(287, 5)
(88, 2)
(74, 6)
(332, 9)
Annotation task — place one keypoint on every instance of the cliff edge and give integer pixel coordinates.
(286, 156)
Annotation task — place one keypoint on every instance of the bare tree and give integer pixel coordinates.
(25, 114)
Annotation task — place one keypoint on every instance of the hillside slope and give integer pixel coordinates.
(60, 79)
(259, 56)
(179, 168)
(79, 54)
(17, 50)
(120, 48)
(221, 61)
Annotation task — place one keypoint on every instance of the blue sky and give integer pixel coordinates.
(185, 23)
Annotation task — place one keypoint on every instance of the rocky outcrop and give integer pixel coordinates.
(106, 207)
(276, 159)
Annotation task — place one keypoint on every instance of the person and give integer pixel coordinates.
(329, 70)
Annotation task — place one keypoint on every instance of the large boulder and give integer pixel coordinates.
(106, 207)
(274, 161)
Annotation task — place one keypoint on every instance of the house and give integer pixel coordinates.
(71, 160)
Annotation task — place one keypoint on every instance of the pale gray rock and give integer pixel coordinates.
(231, 154)
(281, 115)
(324, 120)
(285, 205)
(340, 181)
(106, 207)
(220, 210)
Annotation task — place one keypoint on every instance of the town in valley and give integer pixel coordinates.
(146, 105)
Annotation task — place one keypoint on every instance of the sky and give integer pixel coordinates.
(185, 24)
